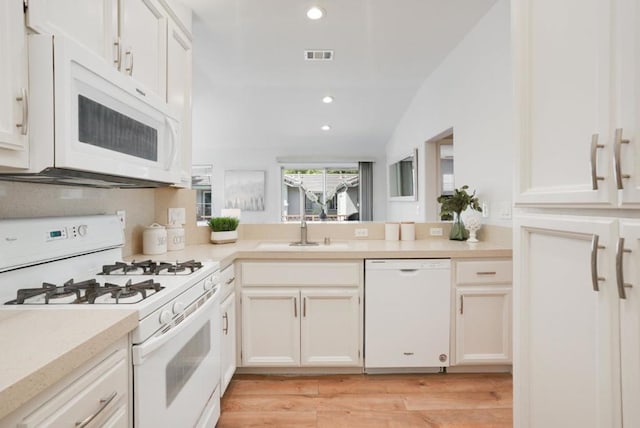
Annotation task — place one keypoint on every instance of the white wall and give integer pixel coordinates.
(471, 92)
(263, 156)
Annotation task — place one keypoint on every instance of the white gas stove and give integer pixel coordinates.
(49, 263)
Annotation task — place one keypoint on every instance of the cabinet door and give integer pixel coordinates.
(13, 86)
(179, 61)
(630, 321)
(92, 23)
(228, 342)
(562, 63)
(271, 327)
(565, 342)
(483, 325)
(330, 333)
(627, 96)
(143, 33)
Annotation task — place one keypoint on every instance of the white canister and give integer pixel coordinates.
(407, 231)
(391, 231)
(154, 239)
(175, 237)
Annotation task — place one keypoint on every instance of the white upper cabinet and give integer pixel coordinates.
(562, 72)
(627, 106)
(93, 23)
(14, 90)
(179, 82)
(143, 38)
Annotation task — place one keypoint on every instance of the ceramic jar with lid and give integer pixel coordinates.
(154, 239)
(175, 237)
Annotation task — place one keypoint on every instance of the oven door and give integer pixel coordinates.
(176, 371)
(105, 123)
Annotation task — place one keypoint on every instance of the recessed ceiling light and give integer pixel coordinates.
(326, 128)
(315, 13)
(328, 99)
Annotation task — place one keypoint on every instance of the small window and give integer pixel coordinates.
(201, 182)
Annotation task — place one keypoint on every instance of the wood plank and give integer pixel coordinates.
(467, 418)
(269, 403)
(381, 402)
(359, 419)
(267, 419)
(275, 386)
(458, 400)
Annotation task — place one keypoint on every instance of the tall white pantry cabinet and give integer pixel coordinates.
(577, 223)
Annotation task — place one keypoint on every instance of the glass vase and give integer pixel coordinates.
(458, 231)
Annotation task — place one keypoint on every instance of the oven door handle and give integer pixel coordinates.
(142, 351)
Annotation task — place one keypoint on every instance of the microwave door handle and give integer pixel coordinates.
(174, 142)
(142, 351)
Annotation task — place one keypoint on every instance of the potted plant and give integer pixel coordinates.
(455, 204)
(223, 229)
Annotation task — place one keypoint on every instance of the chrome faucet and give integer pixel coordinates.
(303, 231)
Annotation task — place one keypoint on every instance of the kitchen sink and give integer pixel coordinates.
(296, 246)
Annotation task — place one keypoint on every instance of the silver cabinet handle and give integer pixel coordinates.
(486, 273)
(594, 262)
(617, 166)
(461, 305)
(295, 307)
(103, 404)
(229, 281)
(304, 306)
(24, 98)
(407, 353)
(128, 68)
(117, 53)
(225, 329)
(620, 250)
(408, 270)
(594, 161)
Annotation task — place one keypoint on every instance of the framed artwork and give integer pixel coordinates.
(244, 190)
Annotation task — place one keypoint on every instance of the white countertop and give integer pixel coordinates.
(36, 353)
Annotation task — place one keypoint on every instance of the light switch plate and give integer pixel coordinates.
(122, 216)
(177, 215)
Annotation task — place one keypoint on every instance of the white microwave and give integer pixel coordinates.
(91, 125)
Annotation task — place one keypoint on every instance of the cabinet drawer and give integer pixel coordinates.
(484, 272)
(101, 392)
(300, 274)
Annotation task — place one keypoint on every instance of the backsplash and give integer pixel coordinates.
(44, 200)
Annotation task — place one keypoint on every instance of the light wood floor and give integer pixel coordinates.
(352, 401)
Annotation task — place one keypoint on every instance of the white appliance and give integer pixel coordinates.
(92, 125)
(67, 262)
(407, 313)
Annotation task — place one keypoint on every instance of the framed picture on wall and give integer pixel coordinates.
(244, 190)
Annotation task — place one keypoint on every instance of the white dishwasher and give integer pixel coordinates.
(407, 313)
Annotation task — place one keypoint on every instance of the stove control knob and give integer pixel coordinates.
(208, 284)
(165, 316)
(82, 230)
(178, 307)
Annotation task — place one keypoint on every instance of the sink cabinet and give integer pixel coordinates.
(482, 308)
(301, 314)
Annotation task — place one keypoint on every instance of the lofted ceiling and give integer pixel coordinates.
(254, 89)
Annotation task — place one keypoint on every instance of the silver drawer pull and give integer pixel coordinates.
(620, 250)
(594, 263)
(117, 53)
(486, 273)
(617, 148)
(103, 404)
(594, 161)
(408, 353)
(229, 281)
(225, 329)
(24, 99)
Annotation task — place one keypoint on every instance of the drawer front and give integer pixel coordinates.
(303, 273)
(484, 272)
(100, 392)
(227, 274)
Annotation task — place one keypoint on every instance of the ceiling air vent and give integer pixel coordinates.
(318, 55)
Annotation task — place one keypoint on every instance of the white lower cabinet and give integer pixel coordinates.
(97, 395)
(228, 341)
(566, 351)
(482, 308)
(301, 322)
(330, 326)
